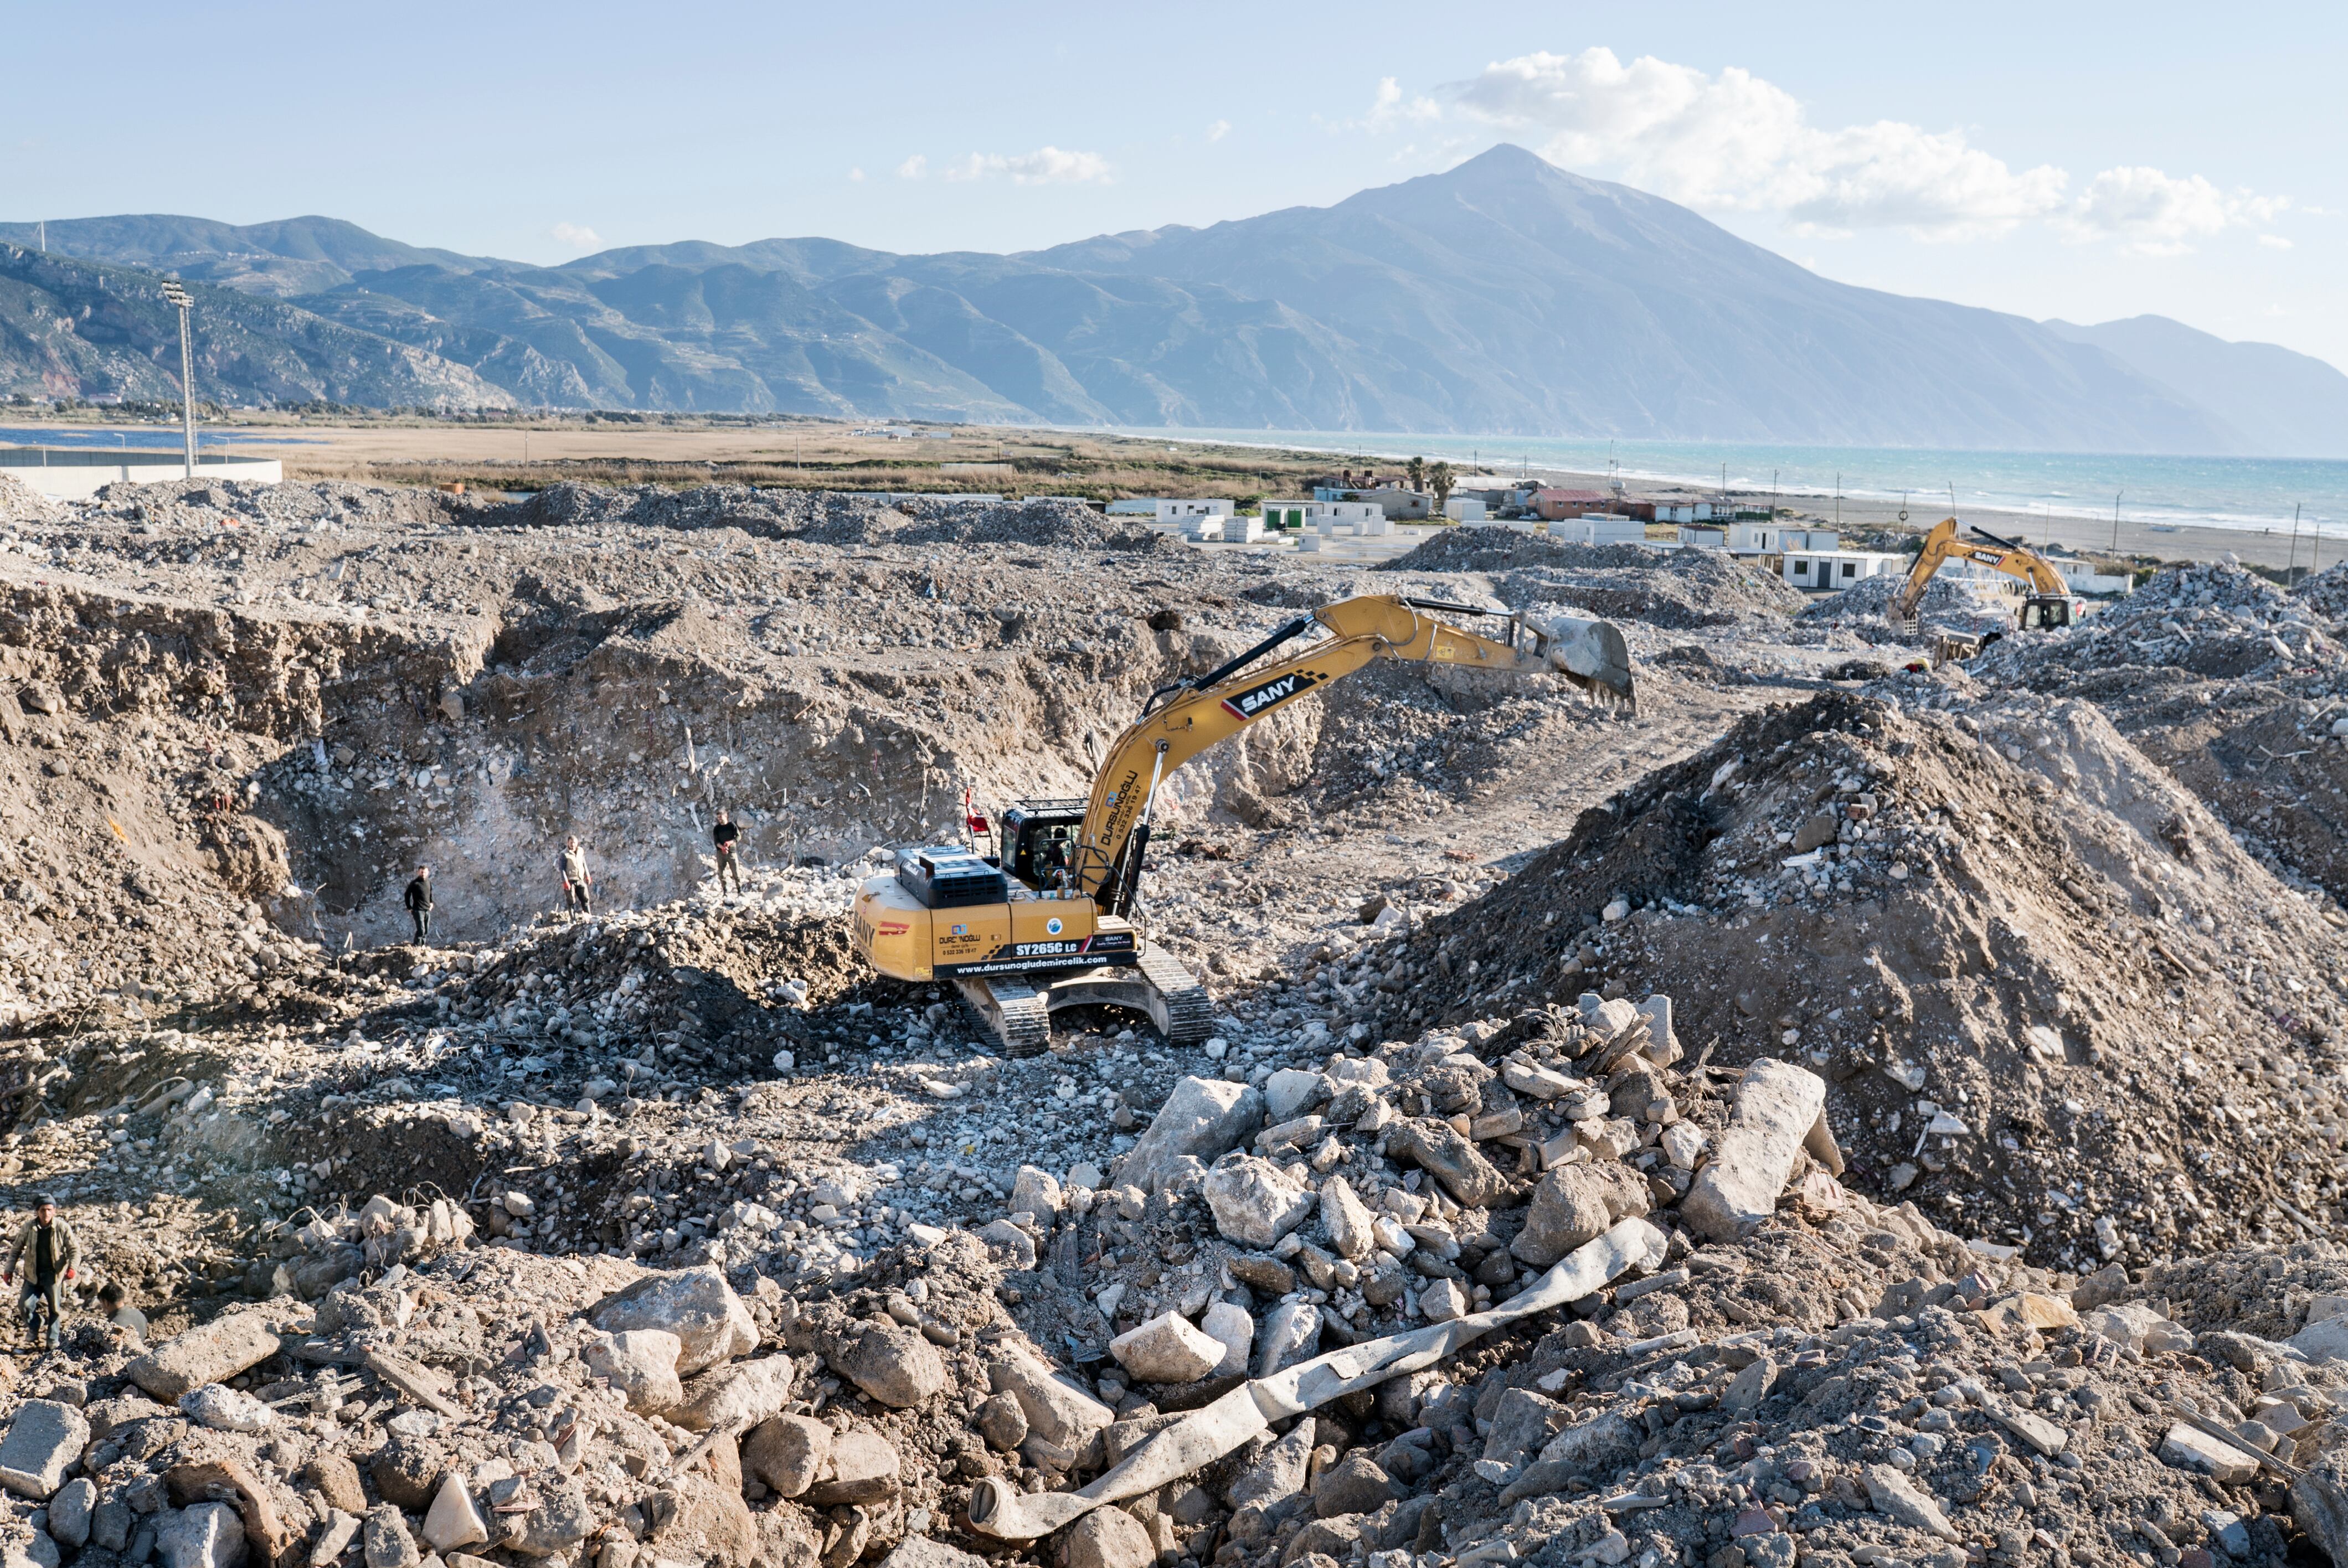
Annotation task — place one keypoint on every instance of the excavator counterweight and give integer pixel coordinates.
(1047, 922)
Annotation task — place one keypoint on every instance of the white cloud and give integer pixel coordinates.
(1735, 142)
(913, 168)
(1220, 129)
(577, 236)
(1045, 166)
(2156, 213)
(2274, 241)
(857, 174)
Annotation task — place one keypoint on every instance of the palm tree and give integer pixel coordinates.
(1439, 479)
(1417, 471)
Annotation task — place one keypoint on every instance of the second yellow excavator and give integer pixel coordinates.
(2050, 604)
(1045, 922)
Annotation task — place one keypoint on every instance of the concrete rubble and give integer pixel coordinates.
(1953, 1093)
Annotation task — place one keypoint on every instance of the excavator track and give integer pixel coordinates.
(1020, 1015)
(1189, 1013)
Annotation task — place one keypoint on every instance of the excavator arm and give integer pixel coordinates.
(1943, 546)
(1187, 718)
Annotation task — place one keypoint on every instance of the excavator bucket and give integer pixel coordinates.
(1592, 654)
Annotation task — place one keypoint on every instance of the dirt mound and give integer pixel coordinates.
(1992, 932)
(322, 504)
(823, 517)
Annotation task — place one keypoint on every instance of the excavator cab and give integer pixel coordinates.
(2045, 612)
(1039, 843)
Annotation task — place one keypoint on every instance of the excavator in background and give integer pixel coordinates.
(2050, 604)
(1045, 921)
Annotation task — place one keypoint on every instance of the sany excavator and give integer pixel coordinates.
(1045, 923)
(2050, 604)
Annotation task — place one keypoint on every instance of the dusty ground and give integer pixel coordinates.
(2074, 1001)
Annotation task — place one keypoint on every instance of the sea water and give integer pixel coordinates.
(2252, 493)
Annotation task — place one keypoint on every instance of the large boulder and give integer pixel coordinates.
(739, 1395)
(1254, 1202)
(1203, 1119)
(1166, 1349)
(1737, 1192)
(1574, 1205)
(1439, 1149)
(696, 1305)
(641, 1364)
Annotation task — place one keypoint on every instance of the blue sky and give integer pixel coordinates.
(2086, 161)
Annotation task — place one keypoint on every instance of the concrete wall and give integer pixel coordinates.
(76, 474)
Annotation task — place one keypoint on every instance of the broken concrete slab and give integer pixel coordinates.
(2190, 1449)
(210, 1353)
(44, 1442)
(1903, 1501)
(1202, 1119)
(1776, 1105)
(1168, 1349)
(739, 1395)
(1255, 1203)
(1439, 1149)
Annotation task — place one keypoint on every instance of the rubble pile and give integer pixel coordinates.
(2215, 621)
(2326, 592)
(2235, 687)
(1971, 607)
(1993, 931)
(1671, 590)
(20, 503)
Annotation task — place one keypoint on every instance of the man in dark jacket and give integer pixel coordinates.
(728, 839)
(49, 1252)
(419, 901)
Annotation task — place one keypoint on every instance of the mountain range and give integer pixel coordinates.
(1504, 296)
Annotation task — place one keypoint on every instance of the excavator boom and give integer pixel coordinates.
(1184, 720)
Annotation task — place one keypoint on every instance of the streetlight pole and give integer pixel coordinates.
(173, 294)
(2115, 522)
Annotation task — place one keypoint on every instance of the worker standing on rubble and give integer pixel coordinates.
(727, 837)
(578, 882)
(47, 1249)
(419, 902)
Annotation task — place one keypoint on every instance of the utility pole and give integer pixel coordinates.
(2115, 522)
(2291, 560)
(173, 294)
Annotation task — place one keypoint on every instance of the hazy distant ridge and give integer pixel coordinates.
(1503, 296)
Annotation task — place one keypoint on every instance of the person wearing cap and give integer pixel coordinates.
(47, 1249)
(419, 901)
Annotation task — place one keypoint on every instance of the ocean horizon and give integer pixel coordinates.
(2244, 493)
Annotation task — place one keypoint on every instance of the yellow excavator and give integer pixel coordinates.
(1044, 921)
(2051, 603)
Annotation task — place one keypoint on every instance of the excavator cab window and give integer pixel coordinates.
(2046, 614)
(1042, 846)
